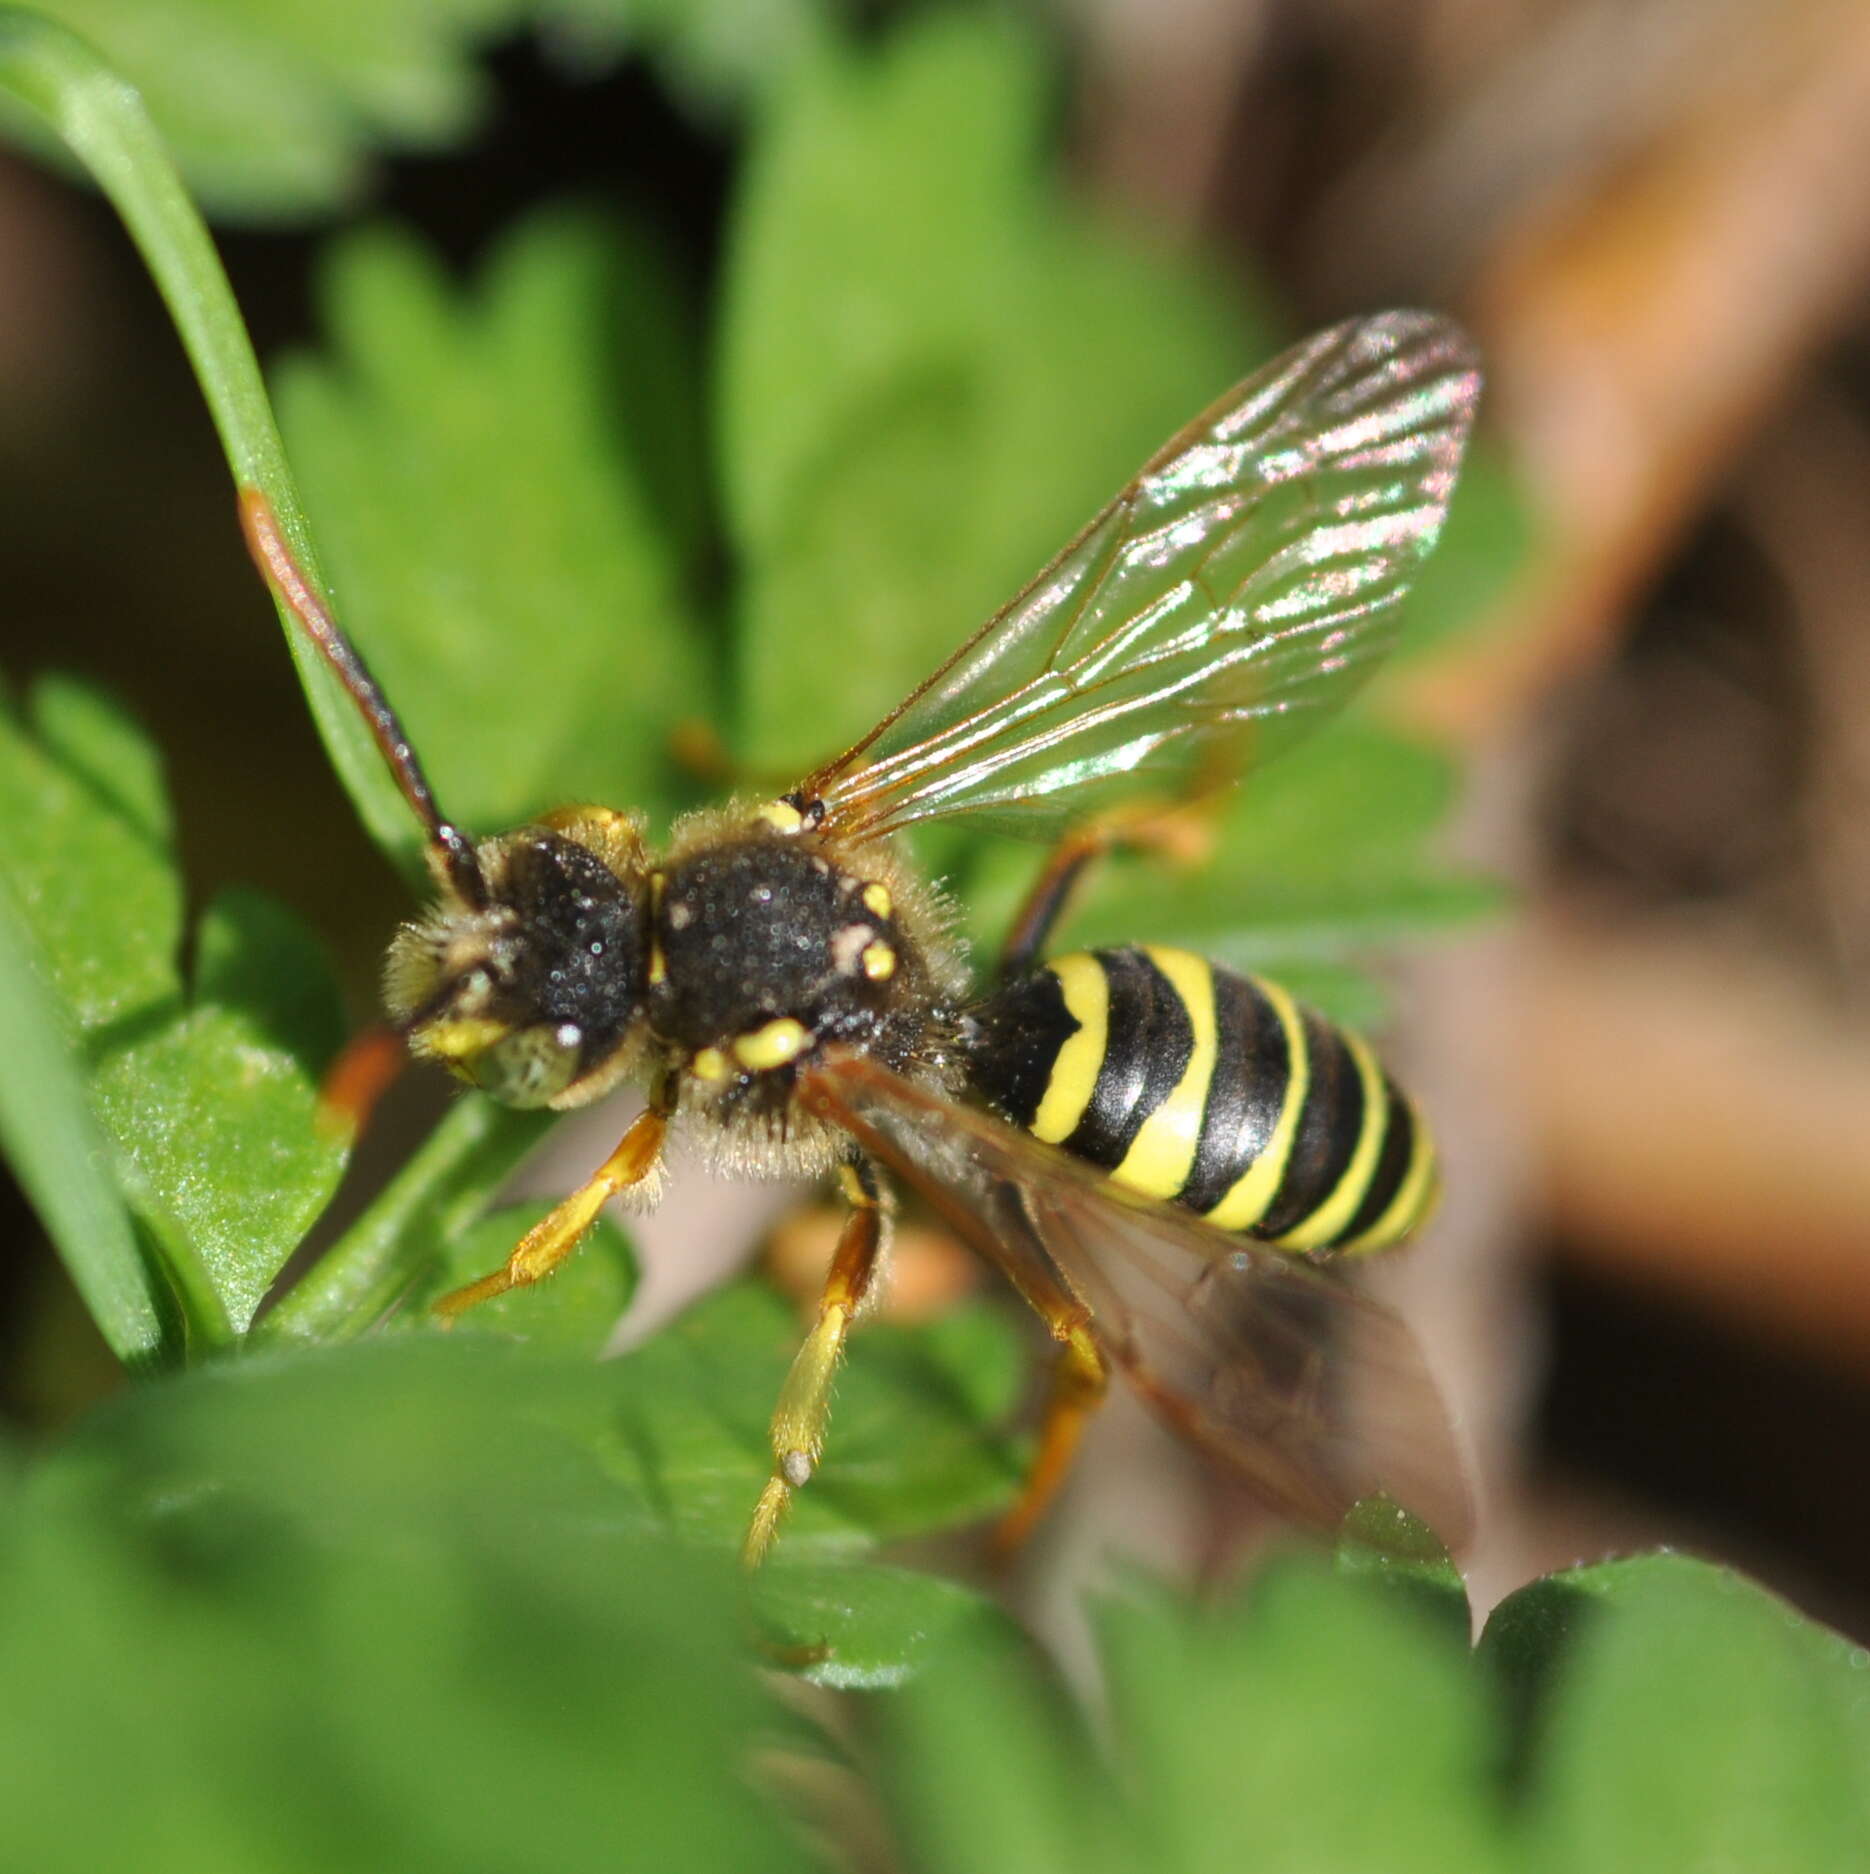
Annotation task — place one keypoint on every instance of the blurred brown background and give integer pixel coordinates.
(1651, 1286)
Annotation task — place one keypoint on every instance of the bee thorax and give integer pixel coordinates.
(764, 948)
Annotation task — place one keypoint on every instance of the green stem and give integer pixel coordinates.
(442, 1189)
(102, 120)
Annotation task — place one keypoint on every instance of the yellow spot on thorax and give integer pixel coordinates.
(1073, 1079)
(782, 815)
(772, 1046)
(1163, 1152)
(711, 1065)
(877, 899)
(1251, 1194)
(879, 962)
(658, 963)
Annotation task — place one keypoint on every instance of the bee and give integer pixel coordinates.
(1157, 1152)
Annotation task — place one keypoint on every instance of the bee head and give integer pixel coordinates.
(533, 993)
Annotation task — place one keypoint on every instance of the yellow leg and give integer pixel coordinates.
(798, 1428)
(1079, 1382)
(556, 1234)
(1182, 832)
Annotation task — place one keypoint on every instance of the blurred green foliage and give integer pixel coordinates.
(1657, 1714)
(276, 108)
(367, 1599)
(500, 550)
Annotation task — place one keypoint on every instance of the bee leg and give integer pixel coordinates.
(366, 1068)
(1079, 1381)
(1045, 902)
(557, 1233)
(805, 1400)
(1181, 832)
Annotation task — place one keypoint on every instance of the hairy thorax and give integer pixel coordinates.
(764, 947)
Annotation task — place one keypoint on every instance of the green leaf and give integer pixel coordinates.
(865, 1628)
(577, 1309)
(206, 1092)
(1313, 1724)
(363, 1609)
(110, 756)
(1381, 1541)
(275, 109)
(97, 881)
(1246, 1727)
(1678, 1716)
(493, 545)
(411, 1228)
(215, 1108)
(272, 108)
(930, 377)
(990, 1764)
(849, 245)
(52, 1140)
(715, 53)
(912, 1445)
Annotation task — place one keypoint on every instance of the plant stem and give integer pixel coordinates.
(101, 119)
(454, 1173)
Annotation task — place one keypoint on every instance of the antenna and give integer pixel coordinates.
(450, 853)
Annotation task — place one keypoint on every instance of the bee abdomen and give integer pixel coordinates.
(1215, 1091)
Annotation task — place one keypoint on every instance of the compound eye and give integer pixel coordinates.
(531, 1066)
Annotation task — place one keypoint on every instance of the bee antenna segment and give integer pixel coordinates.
(451, 853)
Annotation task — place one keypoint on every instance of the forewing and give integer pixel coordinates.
(1314, 1395)
(1232, 595)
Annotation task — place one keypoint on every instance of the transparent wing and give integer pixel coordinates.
(1315, 1395)
(1238, 589)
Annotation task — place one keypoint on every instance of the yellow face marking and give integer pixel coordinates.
(1341, 1206)
(1163, 1153)
(1074, 1074)
(877, 899)
(458, 1038)
(772, 1046)
(1252, 1193)
(658, 963)
(782, 815)
(879, 962)
(710, 1064)
(1414, 1202)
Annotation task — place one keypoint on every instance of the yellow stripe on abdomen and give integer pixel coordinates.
(1073, 1077)
(1163, 1153)
(1251, 1195)
(1335, 1213)
(1415, 1199)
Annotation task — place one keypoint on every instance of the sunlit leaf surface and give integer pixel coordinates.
(204, 1085)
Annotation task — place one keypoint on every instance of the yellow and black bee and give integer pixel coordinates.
(1147, 1145)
